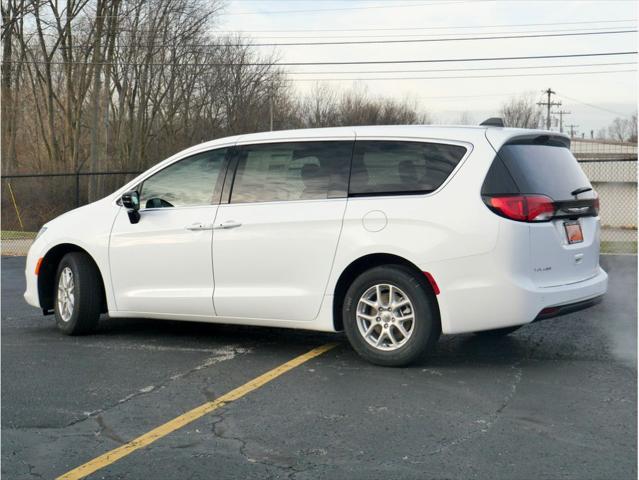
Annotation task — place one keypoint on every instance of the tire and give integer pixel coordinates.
(79, 279)
(423, 331)
(498, 332)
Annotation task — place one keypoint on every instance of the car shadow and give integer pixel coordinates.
(451, 349)
(169, 330)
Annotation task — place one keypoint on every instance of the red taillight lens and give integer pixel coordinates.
(523, 208)
(595, 204)
(540, 208)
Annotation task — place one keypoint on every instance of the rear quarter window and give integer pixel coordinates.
(395, 167)
(546, 169)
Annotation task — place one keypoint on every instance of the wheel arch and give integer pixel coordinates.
(47, 272)
(366, 262)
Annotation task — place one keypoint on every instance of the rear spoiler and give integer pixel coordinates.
(498, 138)
(550, 140)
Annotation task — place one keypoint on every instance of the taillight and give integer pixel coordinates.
(595, 204)
(523, 208)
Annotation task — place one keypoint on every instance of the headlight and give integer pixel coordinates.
(42, 230)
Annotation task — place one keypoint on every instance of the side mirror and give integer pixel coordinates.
(131, 201)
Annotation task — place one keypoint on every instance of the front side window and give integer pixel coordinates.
(189, 182)
(395, 167)
(292, 171)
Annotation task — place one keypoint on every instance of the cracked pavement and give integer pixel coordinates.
(557, 399)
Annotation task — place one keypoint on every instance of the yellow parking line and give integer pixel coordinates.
(188, 417)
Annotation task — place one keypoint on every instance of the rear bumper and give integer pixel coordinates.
(559, 310)
(485, 304)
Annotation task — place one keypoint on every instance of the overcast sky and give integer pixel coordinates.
(446, 99)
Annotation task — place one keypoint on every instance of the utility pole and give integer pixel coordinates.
(549, 104)
(270, 105)
(561, 114)
(572, 127)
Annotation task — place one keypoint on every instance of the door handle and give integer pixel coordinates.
(199, 226)
(227, 224)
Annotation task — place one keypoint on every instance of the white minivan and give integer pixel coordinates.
(394, 234)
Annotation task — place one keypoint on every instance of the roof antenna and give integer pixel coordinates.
(492, 122)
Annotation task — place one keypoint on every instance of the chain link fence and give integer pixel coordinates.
(612, 170)
(29, 201)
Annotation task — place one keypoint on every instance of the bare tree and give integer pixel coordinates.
(13, 13)
(465, 118)
(618, 129)
(121, 84)
(326, 107)
(320, 107)
(623, 129)
(601, 134)
(521, 112)
(113, 84)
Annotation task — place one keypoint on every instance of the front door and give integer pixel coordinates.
(274, 243)
(162, 265)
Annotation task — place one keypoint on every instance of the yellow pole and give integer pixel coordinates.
(15, 205)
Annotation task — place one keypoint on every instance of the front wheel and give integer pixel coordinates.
(390, 316)
(78, 294)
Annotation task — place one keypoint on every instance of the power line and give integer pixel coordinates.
(445, 60)
(359, 62)
(463, 69)
(336, 1)
(593, 106)
(441, 27)
(226, 33)
(364, 7)
(370, 7)
(412, 35)
(454, 77)
(421, 40)
(369, 42)
(490, 35)
(449, 27)
(480, 95)
(445, 39)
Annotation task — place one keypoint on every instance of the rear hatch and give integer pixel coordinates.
(536, 179)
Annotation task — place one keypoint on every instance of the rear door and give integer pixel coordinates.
(565, 249)
(274, 243)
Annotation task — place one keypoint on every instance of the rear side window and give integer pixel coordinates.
(393, 167)
(529, 168)
(292, 171)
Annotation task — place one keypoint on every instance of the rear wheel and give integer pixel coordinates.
(78, 294)
(498, 332)
(390, 316)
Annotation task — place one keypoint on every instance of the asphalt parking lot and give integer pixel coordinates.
(556, 400)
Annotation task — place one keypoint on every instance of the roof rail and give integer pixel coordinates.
(492, 122)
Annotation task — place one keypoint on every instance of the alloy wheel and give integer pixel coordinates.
(385, 317)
